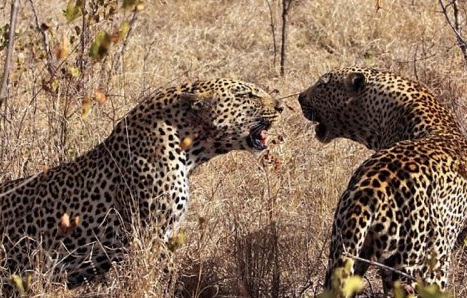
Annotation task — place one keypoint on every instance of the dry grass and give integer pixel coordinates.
(256, 228)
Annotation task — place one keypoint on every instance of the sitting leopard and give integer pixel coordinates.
(405, 206)
(140, 172)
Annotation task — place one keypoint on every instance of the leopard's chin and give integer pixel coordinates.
(322, 133)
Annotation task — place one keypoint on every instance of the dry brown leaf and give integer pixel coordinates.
(64, 222)
(100, 96)
(75, 222)
(61, 51)
(66, 226)
(86, 106)
(45, 169)
(186, 143)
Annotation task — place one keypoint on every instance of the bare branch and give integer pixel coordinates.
(273, 31)
(23, 183)
(132, 21)
(45, 42)
(287, 96)
(83, 46)
(382, 266)
(11, 40)
(456, 16)
(134, 17)
(285, 5)
(456, 28)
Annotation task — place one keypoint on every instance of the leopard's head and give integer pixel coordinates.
(235, 114)
(354, 103)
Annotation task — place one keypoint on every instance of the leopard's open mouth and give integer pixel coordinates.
(257, 141)
(321, 130)
(257, 137)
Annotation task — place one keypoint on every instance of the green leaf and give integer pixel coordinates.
(121, 33)
(28, 280)
(137, 4)
(73, 10)
(327, 294)
(74, 72)
(397, 290)
(55, 85)
(352, 285)
(177, 241)
(100, 46)
(18, 282)
(128, 3)
(124, 28)
(430, 291)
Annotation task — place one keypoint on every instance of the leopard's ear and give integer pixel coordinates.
(198, 100)
(354, 84)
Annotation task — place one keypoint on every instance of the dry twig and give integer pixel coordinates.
(11, 40)
(120, 55)
(287, 96)
(273, 31)
(455, 25)
(23, 183)
(382, 266)
(45, 42)
(286, 5)
(83, 46)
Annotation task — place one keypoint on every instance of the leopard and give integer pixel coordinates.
(78, 214)
(405, 206)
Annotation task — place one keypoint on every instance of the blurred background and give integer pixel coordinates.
(257, 226)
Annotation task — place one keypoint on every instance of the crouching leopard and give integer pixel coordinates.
(405, 206)
(140, 172)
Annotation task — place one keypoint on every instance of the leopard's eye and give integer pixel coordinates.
(252, 95)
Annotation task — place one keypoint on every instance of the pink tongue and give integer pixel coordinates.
(263, 138)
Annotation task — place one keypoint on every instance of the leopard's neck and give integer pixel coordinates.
(419, 116)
